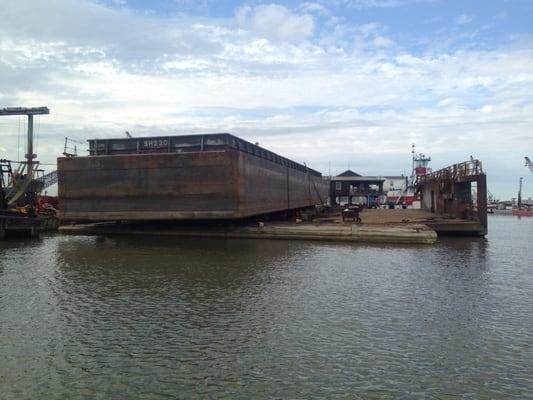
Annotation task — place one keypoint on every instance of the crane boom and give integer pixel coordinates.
(48, 179)
(529, 164)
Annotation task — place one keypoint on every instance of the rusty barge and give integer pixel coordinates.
(186, 177)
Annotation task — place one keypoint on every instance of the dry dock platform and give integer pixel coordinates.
(378, 226)
(407, 233)
(442, 224)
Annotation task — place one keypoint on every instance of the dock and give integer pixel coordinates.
(449, 194)
(414, 226)
(408, 234)
(443, 225)
(12, 225)
(218, 185)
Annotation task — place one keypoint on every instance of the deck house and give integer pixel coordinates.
(350, 188)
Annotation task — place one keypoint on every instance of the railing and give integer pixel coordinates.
(189, 144)
(364, 192)
(456, 172)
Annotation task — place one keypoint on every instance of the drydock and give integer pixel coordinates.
(223, 186)
(193, 177)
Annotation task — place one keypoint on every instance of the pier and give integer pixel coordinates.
(406, 234)
(376, 226)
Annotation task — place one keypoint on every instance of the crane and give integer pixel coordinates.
(22, 180)
(46, 180)
(529, 164)
(519, 200)
(5, 174)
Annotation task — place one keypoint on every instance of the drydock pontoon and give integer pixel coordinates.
(211, 176)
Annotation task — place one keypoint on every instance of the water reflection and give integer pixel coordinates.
(133, 317)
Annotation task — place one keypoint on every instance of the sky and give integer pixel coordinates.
(337, 84)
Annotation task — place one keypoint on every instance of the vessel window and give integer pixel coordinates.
(118, 146)
(214, 142)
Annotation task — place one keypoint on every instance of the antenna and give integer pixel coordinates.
(413, 153)
(520, 194)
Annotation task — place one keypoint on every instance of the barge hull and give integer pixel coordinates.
(225, 184)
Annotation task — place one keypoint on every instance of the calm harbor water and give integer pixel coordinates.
(158, 318)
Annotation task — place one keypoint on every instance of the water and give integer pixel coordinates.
(152, 318)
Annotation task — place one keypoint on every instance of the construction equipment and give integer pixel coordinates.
(351, 214)
(45, 181)
(19, 187)
(5, 173)
(22, 179)
(523, 209)
(519, 200)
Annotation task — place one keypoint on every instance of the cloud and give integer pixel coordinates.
(364, 4)
(276, 22)
(310, 7)
(84, 26)
(446, 102)
(320, 93)
(381, 41)
(369, 28)
(487, 109)
(463, 19)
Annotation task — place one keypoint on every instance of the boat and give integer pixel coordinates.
(523, 209)
(405, 193)
(523, 212)
(183, 177)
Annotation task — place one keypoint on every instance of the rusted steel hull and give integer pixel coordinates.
(449, 192)
(226, 184)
